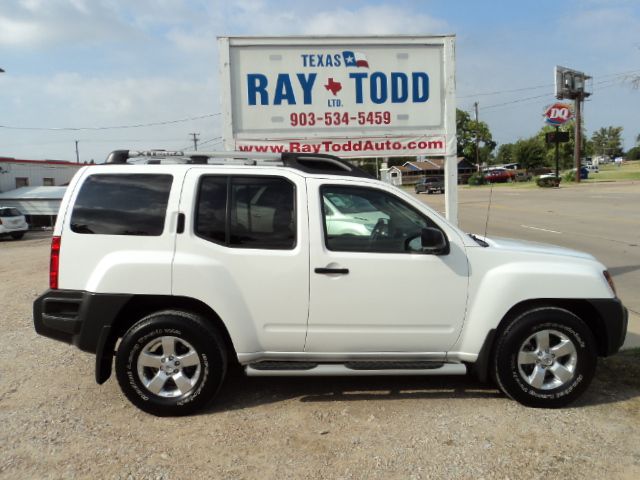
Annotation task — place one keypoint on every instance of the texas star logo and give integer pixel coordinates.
(333, 86)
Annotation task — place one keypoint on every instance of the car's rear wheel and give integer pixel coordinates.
(545, 358)
(171, 363)
(17, 235)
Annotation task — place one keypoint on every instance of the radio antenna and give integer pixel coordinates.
(486, 224)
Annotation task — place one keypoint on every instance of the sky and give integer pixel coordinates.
(102, 64)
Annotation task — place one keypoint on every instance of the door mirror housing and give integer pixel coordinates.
(434, 241)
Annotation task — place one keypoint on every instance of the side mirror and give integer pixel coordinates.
(434, 241)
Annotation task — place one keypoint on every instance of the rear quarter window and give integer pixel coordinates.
(9, 212)
(115, 204)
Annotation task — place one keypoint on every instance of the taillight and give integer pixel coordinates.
(55, 262)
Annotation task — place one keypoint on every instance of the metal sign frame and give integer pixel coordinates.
(437, 138)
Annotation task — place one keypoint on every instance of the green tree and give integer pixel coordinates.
(633, 153)
(607, 141)
(530, 153)
(467, 130)
(506, 153)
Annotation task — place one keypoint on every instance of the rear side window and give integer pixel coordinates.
(132, 204)
(247, 212)
(9, 212)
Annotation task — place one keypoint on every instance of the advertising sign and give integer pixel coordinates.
(558, 114)
(347, 96)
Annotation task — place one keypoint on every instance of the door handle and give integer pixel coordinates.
(329, 271)
(180, 227)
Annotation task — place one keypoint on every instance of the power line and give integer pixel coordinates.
(516, 101)
(204, 142)
(499, 92)
(611, 82)
(535, 87)
(139, 125)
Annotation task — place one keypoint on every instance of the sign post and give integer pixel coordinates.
(556, 115)
(360, 97)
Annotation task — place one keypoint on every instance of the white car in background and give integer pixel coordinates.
(12, 222)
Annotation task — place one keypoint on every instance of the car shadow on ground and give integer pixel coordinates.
(240, 392)
(617, 379)
(622, 270)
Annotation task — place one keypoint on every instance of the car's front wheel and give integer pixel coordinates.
(545, 358)
(171, 363)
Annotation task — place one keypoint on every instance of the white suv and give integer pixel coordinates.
(189, 261)
(12, 223)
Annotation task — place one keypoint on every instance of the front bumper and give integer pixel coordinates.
(75, 316)
(615, 319)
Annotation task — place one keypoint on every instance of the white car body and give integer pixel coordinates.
(241, 286)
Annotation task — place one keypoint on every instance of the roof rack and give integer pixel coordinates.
(306, 162)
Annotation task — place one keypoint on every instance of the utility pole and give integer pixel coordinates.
(572, 84)
(578, 148)
(195, 141)
(475, 105)
(77, 153)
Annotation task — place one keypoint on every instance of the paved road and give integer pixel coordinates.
(602, 219)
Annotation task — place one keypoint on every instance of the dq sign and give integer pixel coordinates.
(558, 114)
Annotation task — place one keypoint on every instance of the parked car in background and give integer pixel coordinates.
(13, 223)
(523, 176)
(584, 172)
(430, 185)
(548, 180)
(499, 175)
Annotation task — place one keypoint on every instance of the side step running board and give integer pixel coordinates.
(305, 369)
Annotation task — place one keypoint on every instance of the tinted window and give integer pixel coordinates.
(369, 220)
(261, 212)
(134, 204)
(212, 206)
(9, 212)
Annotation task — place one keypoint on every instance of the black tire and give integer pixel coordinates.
(541, 384)
(187, 333)
(17, 236)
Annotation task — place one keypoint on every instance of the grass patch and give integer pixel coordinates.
(628, 171)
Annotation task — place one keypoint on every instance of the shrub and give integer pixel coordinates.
(477, 179)
(569, 176)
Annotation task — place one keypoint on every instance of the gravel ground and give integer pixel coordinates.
(57, 423)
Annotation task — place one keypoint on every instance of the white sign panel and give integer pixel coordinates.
(348, 96)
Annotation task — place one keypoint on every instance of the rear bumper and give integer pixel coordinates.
(615, 319)
(6, 230)
(76, 317)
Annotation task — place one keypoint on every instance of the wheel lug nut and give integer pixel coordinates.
(177, 363)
